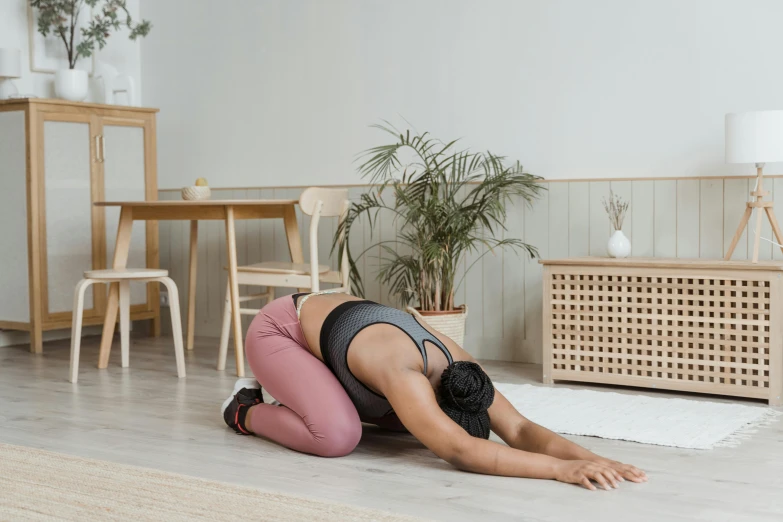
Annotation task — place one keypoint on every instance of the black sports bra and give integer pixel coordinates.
(343, 324)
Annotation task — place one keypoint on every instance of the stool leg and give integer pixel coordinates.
(176, 324)
(125, 322)
(225, 330)
(76, 326)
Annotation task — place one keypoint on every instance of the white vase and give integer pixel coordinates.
(71, 84)
(619, 245)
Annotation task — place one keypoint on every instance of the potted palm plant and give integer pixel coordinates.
(61, 19)
(447, 202)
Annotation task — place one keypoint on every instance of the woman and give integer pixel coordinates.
(334, 361)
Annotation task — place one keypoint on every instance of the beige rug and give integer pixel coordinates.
(40, 485)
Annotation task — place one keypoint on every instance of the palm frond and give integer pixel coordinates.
(446, 203)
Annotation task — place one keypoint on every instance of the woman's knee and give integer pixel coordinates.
(337, 439)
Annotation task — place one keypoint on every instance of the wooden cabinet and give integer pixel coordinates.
(56, 159)
(697, 325)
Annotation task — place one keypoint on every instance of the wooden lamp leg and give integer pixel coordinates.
(775, 226)
(738, 233)
(759, 204)
(757, 236)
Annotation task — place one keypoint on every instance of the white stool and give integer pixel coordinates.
(124, 277)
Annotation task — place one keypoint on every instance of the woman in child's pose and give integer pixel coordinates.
(334, 361)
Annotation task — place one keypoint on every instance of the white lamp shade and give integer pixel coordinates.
(10, 63)
(754, 137)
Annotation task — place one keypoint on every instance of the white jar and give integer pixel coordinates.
(71, 84)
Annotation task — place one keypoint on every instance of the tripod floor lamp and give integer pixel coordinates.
(755, 137)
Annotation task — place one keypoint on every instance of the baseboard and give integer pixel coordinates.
(12, 338)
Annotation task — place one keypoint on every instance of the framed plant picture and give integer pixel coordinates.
(48, 53)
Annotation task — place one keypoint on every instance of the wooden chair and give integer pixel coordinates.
(315, 202)
(124, 277)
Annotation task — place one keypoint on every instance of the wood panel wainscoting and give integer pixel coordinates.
(57, 158)
(685, 218)
(708, 326)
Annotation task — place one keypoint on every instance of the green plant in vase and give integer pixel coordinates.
(61, 19)
(447, 202)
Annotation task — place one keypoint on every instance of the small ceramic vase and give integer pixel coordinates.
(619, 245)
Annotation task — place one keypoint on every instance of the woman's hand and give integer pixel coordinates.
(625, 471)
(583, 471)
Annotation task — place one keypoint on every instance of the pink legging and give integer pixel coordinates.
(318, 417)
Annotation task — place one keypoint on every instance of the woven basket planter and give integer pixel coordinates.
(450, 324)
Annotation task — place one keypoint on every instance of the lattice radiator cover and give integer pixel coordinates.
(705, 331)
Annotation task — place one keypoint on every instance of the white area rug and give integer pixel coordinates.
(681, 423)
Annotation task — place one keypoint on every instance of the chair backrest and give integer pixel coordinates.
(317, 202)
(332, 199)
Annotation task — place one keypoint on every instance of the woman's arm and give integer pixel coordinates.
(521, 433)
(414, 402)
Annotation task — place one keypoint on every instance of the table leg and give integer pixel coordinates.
(292, 234)
(121, 248)
(236, 316)
(192, 283)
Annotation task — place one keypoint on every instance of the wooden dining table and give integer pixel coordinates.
(195, 211)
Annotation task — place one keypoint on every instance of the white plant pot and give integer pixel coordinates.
(71, 84)
(619, 245)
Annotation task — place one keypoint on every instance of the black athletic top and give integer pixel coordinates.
(343, 324)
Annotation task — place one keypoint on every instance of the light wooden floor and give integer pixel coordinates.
(145, 416)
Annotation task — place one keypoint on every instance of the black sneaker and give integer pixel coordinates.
(247, 393)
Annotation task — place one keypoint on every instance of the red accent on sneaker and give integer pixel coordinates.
(236, 420)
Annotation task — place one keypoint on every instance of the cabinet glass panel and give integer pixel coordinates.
(68, 211)
(14, 281)
(124, 181)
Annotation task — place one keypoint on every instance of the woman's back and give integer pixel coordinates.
(380, 350)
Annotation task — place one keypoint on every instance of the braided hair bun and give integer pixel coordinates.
(465, 395)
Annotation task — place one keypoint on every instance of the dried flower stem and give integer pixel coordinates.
(615, 209)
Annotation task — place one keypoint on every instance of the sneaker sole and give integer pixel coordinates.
(248, 383)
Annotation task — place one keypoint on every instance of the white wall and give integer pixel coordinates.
(120, 52)
(280, 92)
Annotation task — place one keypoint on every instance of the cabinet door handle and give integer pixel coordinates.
(103, 148)
(97, 148)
